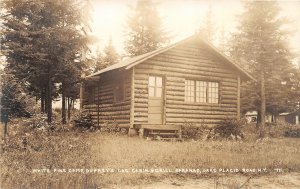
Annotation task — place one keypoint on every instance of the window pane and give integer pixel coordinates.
(200, 91)
(158, 92)
(151, 91)
(158, 81)
(151, 81)
(213, 92)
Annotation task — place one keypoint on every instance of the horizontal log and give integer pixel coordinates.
(202, 106)
(175, 98)
(229, 101)
(174, 79)
(201, 121)
(140, 105)
(138, 109)
(141, 119)
(199, 116)
(201, 111)
(141, 100)
(225, 88)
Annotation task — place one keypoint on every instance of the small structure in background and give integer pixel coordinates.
(251, 116)
(291, 117)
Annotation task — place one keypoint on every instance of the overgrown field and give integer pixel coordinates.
(41, 158)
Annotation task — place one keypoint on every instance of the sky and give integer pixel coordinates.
(181, 18)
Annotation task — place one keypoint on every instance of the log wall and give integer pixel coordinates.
(99, 99)
(187, 61)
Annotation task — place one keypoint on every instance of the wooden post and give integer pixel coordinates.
(238, 96)
(132, 99)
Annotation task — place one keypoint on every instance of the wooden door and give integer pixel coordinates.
(155, 102)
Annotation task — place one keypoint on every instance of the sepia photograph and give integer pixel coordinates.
(150, 94)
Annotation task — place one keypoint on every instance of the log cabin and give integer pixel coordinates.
(189, 82)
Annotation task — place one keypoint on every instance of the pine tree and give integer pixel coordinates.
(208, 29)
(43, 44)
(13, 98)
(110, 56)
(261, 46)
(145, 31)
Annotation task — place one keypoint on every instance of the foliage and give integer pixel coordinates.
(293, 133)
(84, 121)
(145, 31)
(14, 101)
(190, 131)
(230, 129)
(260, 46)
(28, 148)
(43, 45)
(107, 58)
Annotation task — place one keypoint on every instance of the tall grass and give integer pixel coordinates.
(27, 149)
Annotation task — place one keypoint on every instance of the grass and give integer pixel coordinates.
(73, 150)
(117, 151)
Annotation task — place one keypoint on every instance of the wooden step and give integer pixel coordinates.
(166, 134)
(169, 139)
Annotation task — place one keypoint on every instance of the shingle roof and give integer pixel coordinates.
(131, 62)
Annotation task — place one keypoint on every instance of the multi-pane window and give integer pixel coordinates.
(155, 86)
(201, 91)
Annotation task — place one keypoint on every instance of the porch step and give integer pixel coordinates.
(160, 132)
(165, 134)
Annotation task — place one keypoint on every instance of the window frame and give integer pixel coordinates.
(196, 97)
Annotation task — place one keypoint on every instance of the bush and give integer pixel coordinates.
(230, 129)
(292, 133)
(202, 132)
(84, 121)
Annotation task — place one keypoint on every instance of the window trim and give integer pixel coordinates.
(207, 91)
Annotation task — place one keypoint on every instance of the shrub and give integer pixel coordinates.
(279, 129)
(190, 131)
(292, 132)
(230, 129)
(84, 121)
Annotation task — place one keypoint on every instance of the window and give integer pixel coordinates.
(119, 92)
(91, 95)
(201, 91)
(155, 86)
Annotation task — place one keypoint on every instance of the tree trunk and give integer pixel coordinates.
(263, 101)
(69, 109)
(43, 100)
(49, 102)
(63, 105)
